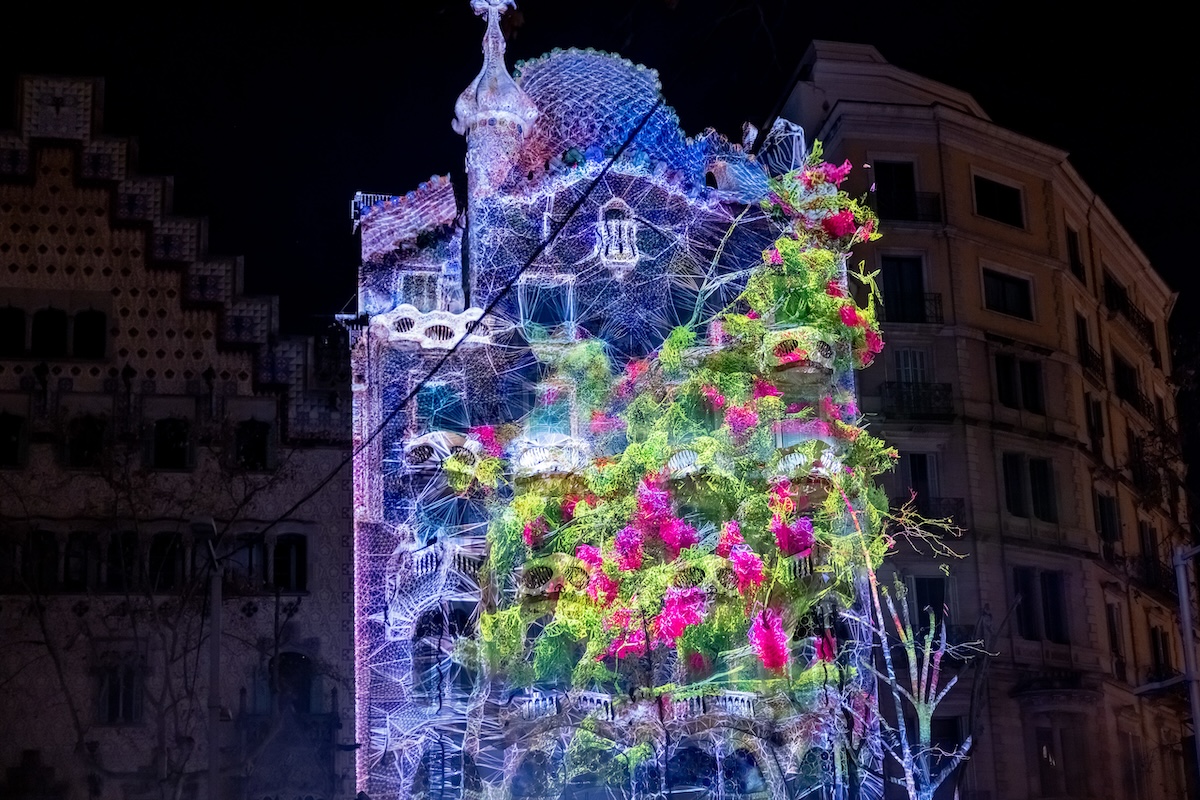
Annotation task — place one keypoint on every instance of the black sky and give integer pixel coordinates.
(270, 120)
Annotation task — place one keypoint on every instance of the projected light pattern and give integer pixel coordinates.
(608, 549)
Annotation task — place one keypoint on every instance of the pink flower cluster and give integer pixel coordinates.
(534, 532)
(629, 545)
(874, 347)
(589, 554)
(486, 434)
(830, 408)
(633, 371)
(769, 639)
(602, 424)
(631, 641)
(840, 224)
(834, 289)
(682, 607)
(850, 316)
(712, 396)
(748, 567)
(836, 175)
(826, 647)
(764, 389)
(677, 535)
(602, 589)
(774, 257)
(793, 538)
(741, 420)
(731, 537)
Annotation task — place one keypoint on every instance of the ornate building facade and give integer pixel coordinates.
(1028, 388)
(153, 419)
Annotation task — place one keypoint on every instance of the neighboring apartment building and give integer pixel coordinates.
(1027, 384)
(151, 417)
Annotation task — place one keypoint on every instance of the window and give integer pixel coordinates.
(252, 445)
(120, 696)
(12, 440)
(172, 444)
(911, 365)
(86, 440)
(247, 562)
(420, 289)
(1058, 740)
(91, 334)
(999, 202)
(1075, 255)
(49, 334)
(547, 305)
(440, 407)
(930, 594)
(1019, 383)
(1133, 765)
(1114, 619)
(1042, 612)
(12, 332)
(904, 294)
(291, 563)
(617, 235)
(166, 562)
(41, 562)
(896, 189)
(292, 679)
(1029, 486)
(122, 561)
(1162, 661)
(1093, 409)
(1107, 521)
(919, 477)
(1007, 294)
(81, 562)
(1125, 378)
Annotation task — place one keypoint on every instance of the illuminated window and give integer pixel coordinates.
(617, 239)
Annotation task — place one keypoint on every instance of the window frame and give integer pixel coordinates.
(1004, 183)
(1035, 622)
(992, 272)
(1022, 499)
(1027, 382)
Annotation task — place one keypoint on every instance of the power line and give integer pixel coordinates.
(487, 311)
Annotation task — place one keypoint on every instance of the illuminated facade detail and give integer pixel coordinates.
(645, 472)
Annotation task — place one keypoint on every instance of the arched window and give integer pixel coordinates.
(122, 562)
(617, 245)
(49, 334)
(291, 563)
(86, 440)
(742, 776)
(41, 562)
(90, 337)
(166, 562)
(12, 331)
(692, 773)
(81, 563)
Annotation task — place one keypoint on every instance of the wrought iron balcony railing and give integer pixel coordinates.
(925, 308)
(917, 400)
(1092, 361)
(1156, 576)
(1117, 300)
(909, 206)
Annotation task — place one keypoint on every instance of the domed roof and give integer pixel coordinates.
(588, 99)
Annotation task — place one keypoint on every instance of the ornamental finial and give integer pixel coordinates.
(493, 95)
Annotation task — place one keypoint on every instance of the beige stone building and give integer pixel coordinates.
(151, 418)
(1027, 384)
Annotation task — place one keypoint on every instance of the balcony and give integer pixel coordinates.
(1146, 477)
(1156, 576)
(929, 507)
(923, 309)
(1117, 299)
(917, 400)
(1131, 393)
(1092, 361)
(909, 206)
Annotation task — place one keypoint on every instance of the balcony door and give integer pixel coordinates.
(903, 289)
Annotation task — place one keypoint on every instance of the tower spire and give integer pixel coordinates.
(493, 98)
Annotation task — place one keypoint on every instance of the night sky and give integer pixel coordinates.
(270, 121)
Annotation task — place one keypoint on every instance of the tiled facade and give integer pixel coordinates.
(1027, 385)
(149, 408)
